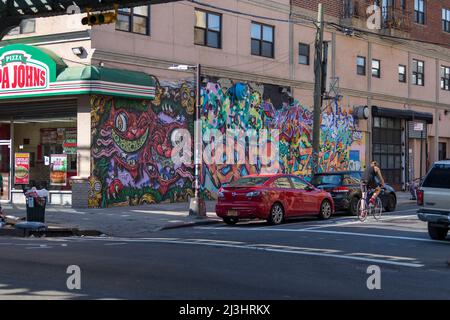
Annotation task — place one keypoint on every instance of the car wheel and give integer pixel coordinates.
(276, 215)
(325, 210)
(437, 233)
(230, 221)
(354, 206)
(391, 203)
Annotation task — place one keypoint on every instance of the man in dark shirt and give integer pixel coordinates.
(374, 180)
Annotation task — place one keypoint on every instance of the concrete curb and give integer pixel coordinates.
(407, 202)
(188, 224)
(51, 232)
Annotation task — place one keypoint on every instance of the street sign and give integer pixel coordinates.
(418, 126)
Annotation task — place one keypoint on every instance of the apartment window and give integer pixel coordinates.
(376, 68)
(135, 20)
(361, 66)
(442, 151)
(208, 28)
(403, 5)
(402, 73)
(445, 78)
(446, 20)
(303, 53)
(262, 40)
(418, 77)
(419, 11)
(26, 26)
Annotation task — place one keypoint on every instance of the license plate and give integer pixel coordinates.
(232, 213)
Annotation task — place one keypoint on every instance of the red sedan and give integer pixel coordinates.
(272, 197)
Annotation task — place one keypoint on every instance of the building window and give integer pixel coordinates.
(135, 20)
(361, 66)
(208, 28)
(403, 5)
(303, 53)
(376, 68)
(262, 40)
(446, 20)
(402, 73)
(387, 147)
(445, 78)
(26, 26)
(418, 73)
(442, 151)
(419, 11)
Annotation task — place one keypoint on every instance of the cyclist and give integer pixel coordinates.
(374, 180)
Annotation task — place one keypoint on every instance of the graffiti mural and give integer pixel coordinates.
(131, 148)
(132, 139)
(239, 106)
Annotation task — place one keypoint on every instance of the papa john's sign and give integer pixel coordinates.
(25, 71)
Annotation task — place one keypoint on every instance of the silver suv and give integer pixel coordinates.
(434, 199)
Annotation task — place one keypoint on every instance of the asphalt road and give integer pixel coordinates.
(302, 259)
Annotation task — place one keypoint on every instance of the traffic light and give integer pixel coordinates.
(100, 18)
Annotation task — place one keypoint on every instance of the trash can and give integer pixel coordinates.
(36, 209)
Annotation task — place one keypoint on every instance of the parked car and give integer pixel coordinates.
(433, 197)
(345, 188)
(272, 197)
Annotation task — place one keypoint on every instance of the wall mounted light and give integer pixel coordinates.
(79, 51)
(361, 112)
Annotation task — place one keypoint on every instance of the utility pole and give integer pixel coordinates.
(421, 154)
(197, 205)
(318, 65)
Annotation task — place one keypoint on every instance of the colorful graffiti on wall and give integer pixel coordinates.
(131, 140)
(241, 106)
(131, 148)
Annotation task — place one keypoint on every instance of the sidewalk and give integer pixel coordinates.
(138, 221)
(404, 198)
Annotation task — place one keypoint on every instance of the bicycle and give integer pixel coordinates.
(365, 208)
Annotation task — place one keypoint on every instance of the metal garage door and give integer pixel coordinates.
(42, 108)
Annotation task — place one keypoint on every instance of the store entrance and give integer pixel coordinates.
(49, 146)
(5, 163)
(41, 150)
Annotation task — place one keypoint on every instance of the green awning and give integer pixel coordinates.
(92, 73)
(28, 71)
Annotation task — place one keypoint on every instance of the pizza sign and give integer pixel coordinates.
(19, 71)
(25, 71)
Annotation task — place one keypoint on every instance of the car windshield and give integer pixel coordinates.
(334, 179)
(352, 178)
(248, 182)
(439, 177)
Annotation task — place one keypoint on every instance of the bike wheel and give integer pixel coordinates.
(377, 209)
(362, 213)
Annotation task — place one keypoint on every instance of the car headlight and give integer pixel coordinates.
(220, 195)
(253, 194)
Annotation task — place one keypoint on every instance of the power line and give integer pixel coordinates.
(340, 27)
(314, 22)
(306, 19)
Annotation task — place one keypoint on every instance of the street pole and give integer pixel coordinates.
(197, 206)
(317, 89)
(421, 153)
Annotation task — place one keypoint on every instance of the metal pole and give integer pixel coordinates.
(317, 90)
(197, 205)
(421, 152)
(11, 160)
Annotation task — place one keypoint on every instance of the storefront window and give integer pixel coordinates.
(52, 150)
